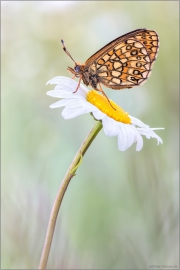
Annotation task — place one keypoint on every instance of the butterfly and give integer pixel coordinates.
(123, 63)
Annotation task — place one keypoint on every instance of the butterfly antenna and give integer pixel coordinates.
(66, 51)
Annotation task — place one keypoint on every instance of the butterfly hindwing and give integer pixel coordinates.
(127, 61)
(150, 40)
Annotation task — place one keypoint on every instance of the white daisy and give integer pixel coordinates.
(117, 122)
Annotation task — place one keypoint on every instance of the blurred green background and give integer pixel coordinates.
(121, 209)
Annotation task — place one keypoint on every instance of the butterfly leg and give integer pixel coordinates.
(100, 90)
(78, 84)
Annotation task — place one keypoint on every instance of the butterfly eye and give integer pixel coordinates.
(77, 69)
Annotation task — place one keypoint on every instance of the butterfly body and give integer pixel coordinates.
(88, 75)
(123, 63)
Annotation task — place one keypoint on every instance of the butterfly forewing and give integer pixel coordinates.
(127, 61)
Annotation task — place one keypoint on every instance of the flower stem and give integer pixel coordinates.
(69, 175)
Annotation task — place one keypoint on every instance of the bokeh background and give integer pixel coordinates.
(121, 209)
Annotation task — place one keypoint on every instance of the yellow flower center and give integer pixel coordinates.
(101, 102)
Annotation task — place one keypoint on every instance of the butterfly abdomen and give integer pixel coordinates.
(90, 77)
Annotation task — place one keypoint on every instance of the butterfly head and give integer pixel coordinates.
(77, 70)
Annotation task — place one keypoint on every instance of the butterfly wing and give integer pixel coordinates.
(150, 40)
(127, 61)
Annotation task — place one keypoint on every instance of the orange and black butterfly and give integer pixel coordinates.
(123, 63)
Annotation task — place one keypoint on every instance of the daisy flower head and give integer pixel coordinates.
(115, 121)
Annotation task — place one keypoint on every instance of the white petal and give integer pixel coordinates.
(138, 139)
(156, 128)
(149, 133)
(59, 103)
(138, 122)
(126, 136)
(130, 135)
(121, 140)
(111, 127)
(69, 103)
(66, 94)
(69, 89)
(56, 80)
(61, 94)
(66, 83)
(98, 114)
(73, 103)
(69, 113)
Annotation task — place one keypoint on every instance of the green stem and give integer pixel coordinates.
(69, 175)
